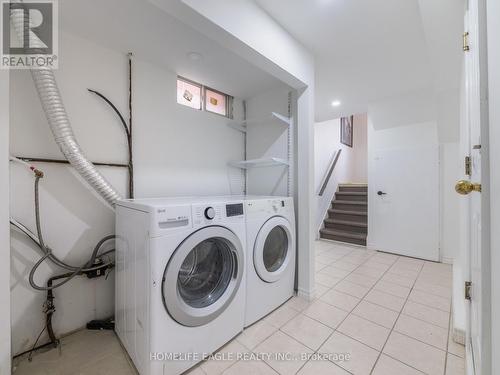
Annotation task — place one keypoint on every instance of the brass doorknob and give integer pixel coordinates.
(464, 187)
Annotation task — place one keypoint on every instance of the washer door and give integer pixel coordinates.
(203, 276)
(273, 249)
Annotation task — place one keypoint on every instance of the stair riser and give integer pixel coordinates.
(345, 227)
(354, 188)
(355, 218)
(344, 239)
(357, 198)
(349, 207)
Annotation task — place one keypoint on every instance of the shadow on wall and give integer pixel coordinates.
(73, 219)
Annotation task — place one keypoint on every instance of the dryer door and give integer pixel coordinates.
(273, 249)
(202, 276)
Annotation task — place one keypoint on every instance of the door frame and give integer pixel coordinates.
(493, 45)
(486, 291)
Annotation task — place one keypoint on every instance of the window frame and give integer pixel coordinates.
(203, 98)
(191, 82)
(229, 102)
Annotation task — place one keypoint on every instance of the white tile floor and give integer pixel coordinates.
(390, 314)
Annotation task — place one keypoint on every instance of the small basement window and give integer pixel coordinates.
(216, 102)
(197, 96)
(189, 93)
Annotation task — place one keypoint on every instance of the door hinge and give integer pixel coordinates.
(468, 166)
(468, 290)
(465, 37)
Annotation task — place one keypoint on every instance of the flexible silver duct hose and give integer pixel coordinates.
(48, 92)
(55, 112)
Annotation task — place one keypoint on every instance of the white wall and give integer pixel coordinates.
(174, 147)
(451, 168)
(359, 151)
(415, 107)
(266, 139)
(326, 142)
(351, 166)
(4, 226)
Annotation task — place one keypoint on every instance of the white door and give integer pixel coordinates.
(405, 197)
(472, 138)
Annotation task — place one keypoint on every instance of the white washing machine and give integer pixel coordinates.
(180, 279)
(270, 254)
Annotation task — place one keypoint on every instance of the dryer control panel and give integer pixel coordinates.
(278, 206)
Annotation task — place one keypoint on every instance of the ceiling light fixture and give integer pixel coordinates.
(336, 103)
(194, 56)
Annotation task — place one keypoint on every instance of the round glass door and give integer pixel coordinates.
(205, 273)
(203, 276)
(273, 249)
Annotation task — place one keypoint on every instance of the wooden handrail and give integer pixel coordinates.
(329, 173)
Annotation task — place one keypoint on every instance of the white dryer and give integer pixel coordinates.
(180, 279)
(270, 254)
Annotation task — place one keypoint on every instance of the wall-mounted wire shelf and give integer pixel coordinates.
(277, 118)
(259, 163)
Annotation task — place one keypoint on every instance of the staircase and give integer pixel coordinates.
(347, 219)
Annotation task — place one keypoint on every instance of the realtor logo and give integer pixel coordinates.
(29, 34)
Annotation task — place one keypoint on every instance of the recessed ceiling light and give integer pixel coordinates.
(194, 56)
(336, 103)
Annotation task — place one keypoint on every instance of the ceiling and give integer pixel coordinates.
(155, 36)
(369, 50)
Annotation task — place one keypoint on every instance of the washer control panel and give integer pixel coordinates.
(207, 214)
(173, 217)
(204, 214)
(235, 209)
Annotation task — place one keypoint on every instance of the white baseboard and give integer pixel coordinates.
(447, 260)
(370, 246)
(307, 295)
(458, 336)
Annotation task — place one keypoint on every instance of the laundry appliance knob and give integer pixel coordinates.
(209, 213)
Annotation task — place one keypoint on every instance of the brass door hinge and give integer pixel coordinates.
(468, 166)
(468, 290)
(465, 37)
